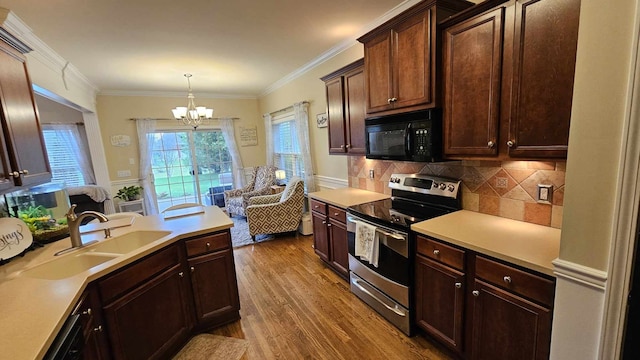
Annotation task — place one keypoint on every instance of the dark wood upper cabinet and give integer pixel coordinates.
(508, 80)
(402, 59)
(346, 109)
(472, 58)
(544, 57)
(23, 156)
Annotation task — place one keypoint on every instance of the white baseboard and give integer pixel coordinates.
(326, 182)
(578, 311)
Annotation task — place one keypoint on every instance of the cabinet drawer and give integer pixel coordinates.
(338, 214)
(440, 252)
(208, 243)
(138, 272)
(318, 206)
(526, 284)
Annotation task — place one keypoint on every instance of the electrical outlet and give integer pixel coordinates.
(545, 193)
(371, 174)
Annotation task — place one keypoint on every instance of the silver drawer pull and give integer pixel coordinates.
(98, 329)
(458, 285)
(507, 279)
(436, 252)
(476, 293)
(87, 312)
(395, 310)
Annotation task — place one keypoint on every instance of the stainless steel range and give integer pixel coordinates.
(388, 287)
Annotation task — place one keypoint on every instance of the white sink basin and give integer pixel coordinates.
(67, 266)
(128, 242)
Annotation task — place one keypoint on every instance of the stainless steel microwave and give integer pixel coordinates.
(410, 137)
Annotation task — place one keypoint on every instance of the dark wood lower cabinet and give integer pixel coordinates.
(95, 339)
(500, 311)
(506, 326)
(440, 302)
(339, 247)
(213, 280)
(153, 320)
(320, 235)
(330, 236)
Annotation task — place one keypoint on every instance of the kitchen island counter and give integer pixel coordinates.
(34, 310)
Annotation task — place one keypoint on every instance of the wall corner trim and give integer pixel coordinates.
(596, 279)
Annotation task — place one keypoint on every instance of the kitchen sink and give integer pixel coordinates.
(67, 266)
(128, 242)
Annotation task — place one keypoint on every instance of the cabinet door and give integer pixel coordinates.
(339, 247)
(440, 301)
(215, 289)
(320, 235)
(472, 55)
(140, 331)
(355, 111)
(95, 339)
(22, 132)
(544, 55)
(336, 116)
(506, 326)
(412, 58)
(377, 65)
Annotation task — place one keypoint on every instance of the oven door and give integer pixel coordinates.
(393, 259)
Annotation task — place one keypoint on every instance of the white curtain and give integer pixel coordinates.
(228, 131)
(71, 140)
(146, 140)
(301, 114)
(269, 138)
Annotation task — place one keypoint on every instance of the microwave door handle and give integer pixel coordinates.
(408, 140)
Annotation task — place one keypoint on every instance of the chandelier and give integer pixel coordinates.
(191, 114)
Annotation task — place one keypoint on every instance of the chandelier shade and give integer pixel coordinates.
(191, 114)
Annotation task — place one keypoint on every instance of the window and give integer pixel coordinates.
(68, 155)
(286, 147)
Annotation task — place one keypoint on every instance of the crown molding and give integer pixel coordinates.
(42, 52)
(182, 94)
(342, 46)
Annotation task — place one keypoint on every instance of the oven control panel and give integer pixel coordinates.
(425, 184)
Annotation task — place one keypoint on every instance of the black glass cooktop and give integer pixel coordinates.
(396, 213)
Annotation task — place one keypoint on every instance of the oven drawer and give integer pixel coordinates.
(337, 214)
(529, 285)
(318, 206)
(438, 251)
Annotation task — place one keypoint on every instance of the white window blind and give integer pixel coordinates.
(286, 148)
(65, 166)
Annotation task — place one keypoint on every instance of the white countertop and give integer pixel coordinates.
(345, 197)
(524, 244)
(32, 310)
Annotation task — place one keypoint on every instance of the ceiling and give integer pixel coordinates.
(239, 47)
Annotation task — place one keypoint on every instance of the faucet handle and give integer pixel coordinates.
(71, 214)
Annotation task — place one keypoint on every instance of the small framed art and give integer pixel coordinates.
(322, 120)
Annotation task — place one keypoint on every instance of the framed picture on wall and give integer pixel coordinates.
(321, 119)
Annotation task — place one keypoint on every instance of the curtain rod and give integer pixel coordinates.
(287, 108)
(174, 119)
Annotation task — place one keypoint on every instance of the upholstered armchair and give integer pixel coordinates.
(277, 213)
(262, 179)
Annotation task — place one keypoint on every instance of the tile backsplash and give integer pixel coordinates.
(502, 188)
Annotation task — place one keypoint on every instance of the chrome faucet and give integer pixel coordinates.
(74, 221)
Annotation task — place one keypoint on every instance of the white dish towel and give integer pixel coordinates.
(367, 243)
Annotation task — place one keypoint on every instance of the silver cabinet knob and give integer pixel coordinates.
(507, 279)
(436, 252)
(328, 225)
(510, 143)
(476, 293)
(389, 100)
(98, 329)
(348, 146)
(324, 222)
(335, 214)
(341, 146)
(192, 269)
(458, 285)
(15, 174)
(25, 171)
(87, 312)
(208, 245)
(181, 274)
(394, 99)
(491, 144)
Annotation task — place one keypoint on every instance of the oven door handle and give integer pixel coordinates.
(388, 234)
(356, 282)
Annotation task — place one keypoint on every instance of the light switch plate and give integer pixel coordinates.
(545, 193)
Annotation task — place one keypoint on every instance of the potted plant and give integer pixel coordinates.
(129, 193)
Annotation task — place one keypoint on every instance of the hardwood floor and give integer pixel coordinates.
(294, 307)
